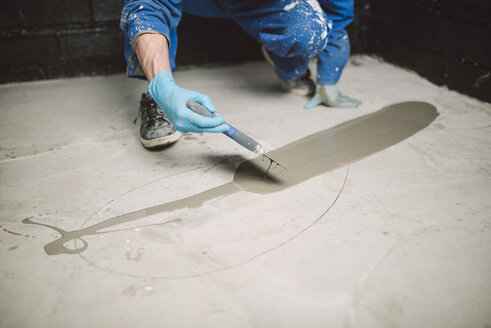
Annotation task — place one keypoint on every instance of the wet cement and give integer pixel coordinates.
(306, 158)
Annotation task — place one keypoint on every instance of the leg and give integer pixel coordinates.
(333, 59)
(293, 31)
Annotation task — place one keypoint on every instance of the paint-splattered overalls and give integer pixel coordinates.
(294, 31)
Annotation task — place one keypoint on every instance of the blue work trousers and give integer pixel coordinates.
(293, 31)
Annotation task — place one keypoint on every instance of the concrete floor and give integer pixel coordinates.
(406, 244)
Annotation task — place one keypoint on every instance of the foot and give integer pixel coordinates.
(302, 86)
(155, 130)
(330, 96)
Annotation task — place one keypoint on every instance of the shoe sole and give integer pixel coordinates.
(286, 88)
(163, 141)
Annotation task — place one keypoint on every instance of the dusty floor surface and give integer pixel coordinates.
(405, 243)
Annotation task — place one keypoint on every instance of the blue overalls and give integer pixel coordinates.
(293, 31)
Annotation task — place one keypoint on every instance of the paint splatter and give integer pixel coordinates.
(291, 6)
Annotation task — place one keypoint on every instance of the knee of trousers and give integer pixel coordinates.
(309, 39)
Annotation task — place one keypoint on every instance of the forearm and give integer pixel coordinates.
(152, 50)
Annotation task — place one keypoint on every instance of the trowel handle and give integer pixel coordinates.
(238, 136)
(199, 109)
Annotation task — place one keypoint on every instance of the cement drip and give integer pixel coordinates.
(306, 158)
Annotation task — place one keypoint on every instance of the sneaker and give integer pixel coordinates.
(303, 86)
(155, 129)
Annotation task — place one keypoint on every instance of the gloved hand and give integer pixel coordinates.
(330, 96)
(172, 100)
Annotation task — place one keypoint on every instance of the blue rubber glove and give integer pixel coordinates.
(172, 100)
(330, 96)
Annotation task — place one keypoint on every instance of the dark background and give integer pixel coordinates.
(446, 41)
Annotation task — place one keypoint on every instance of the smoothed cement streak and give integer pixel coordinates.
(306, 158)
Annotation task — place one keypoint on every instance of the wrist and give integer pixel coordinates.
(152, 50)
(161, 83)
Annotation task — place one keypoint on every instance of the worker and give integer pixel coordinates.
(291, 32)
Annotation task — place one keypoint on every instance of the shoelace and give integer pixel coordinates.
(151, 109)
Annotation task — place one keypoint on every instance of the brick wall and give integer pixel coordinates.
(204, 41)
(53, 38)
(359, 30)
(446, 41)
